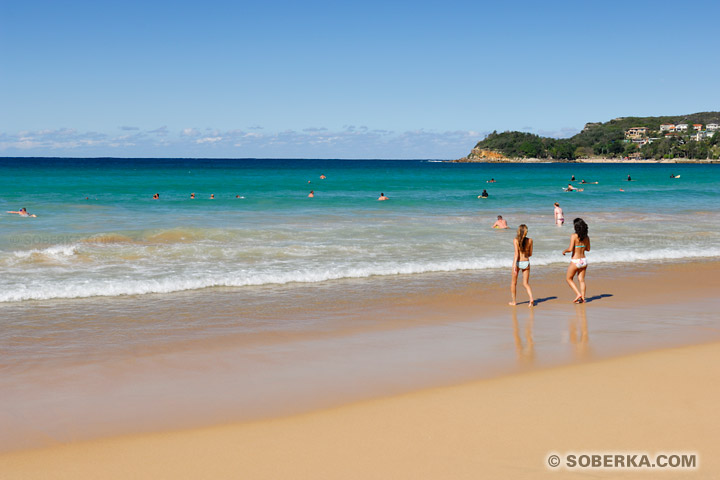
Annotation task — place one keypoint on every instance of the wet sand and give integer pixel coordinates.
(500, 428)
(357, 350)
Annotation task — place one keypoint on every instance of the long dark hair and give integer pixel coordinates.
(581, 228)
(522, 237)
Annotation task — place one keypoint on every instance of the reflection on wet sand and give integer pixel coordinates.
(578, 333)
(526, 352)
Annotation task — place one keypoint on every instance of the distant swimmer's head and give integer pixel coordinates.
(557, 204)
(581, 228)
(212, 196)
(192, 195)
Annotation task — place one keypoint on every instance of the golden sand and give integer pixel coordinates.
(502, 428)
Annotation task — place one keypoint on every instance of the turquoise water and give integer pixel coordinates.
(100, 233)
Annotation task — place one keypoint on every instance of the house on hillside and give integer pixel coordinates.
(636, 133)
(681, 127)
(712, 127)
(697, 126)
(702, 135)
(667, 127)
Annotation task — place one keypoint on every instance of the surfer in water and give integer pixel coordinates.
(500, 223)
(23, 213)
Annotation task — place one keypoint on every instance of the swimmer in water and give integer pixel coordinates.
(212, 196)
(383, 197)
(311, 194)
(572, 179)
(156, 196)
(192, 196)
(23, 213)
(492, 180)
(500, 223)
(322, 177)
(484, 194)
(629, 179)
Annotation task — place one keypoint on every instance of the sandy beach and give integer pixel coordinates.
(500, 428)
(653, 396)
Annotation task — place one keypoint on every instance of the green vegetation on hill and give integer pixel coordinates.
(608, 140)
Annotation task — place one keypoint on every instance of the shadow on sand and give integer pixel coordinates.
(537, 300)
(598, 297)
(541, 300)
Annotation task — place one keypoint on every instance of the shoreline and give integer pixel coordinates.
(434, 336)
(504, 426)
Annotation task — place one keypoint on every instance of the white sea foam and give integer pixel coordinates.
(184, 278)
(54, 252)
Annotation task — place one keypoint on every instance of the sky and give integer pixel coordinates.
(332, 79)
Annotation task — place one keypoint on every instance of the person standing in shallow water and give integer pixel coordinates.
(521, 262)
(579, 244)
(559, 217)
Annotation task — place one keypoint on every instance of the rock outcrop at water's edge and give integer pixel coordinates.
(483, 155)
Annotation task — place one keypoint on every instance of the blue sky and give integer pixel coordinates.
(371, 79)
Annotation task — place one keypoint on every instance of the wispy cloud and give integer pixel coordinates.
(160, 132)
(190, 132)
(126, 128)
(312, 142)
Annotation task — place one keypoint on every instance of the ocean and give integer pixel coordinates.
(99, 232)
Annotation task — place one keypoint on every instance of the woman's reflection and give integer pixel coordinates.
(526, 352)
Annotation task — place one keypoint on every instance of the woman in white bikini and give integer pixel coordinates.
(579, 244)
(521, 261)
